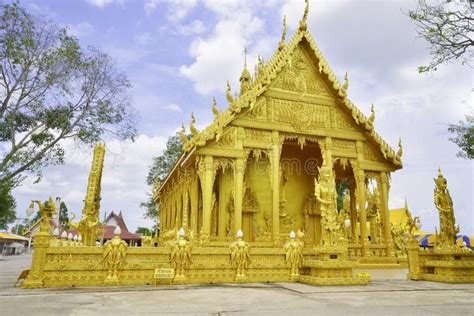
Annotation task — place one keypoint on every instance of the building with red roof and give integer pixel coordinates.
(111, 221)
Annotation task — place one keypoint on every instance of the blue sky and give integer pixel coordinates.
(179, 54)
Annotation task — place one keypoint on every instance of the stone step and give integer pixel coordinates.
(313, 280)
(328, 264)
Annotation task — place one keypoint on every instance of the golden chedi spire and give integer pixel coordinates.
(245, 76)
(281, 46)
(304, 22)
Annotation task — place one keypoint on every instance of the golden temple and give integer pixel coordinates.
(290, 183)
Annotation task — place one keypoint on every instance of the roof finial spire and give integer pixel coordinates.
(283, 35)
(245, 77)
(400, 148)
(245, 56)
(303, 22)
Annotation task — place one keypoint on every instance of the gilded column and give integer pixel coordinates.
(179, 217)
(355, 233)
(221, 228)
(194, 204)
(206, 174)
(185, 206)
(361, 201)
(239, 171)
(163, 215)
(275, 181)
(173, 211)
(384, 184)
(168, 214)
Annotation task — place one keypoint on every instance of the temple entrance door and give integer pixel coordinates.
(298, 210)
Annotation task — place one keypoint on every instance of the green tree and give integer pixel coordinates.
(7, 205)
(51, 90)
(35, 218)
(341, 187)
(63, 216)
(447, 26)
(159, 169)
(463, 136)
(20, 228)
(143, 231)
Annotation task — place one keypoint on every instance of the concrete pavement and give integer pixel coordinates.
(390, 297)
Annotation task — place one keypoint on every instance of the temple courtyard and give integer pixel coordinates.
(388, 297)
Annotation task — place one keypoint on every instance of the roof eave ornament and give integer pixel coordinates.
(281, 46)
(304, 20)
(192, 127)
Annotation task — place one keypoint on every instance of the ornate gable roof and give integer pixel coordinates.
(266, 77)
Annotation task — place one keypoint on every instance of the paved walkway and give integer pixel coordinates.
(391, 297)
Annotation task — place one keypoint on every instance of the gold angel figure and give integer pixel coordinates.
(294, 254)
(240, 256)
(181, 256)
(115, 253)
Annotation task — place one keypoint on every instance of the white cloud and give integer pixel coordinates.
(104, 3)
(177, 10)
(173, 107)
(82, 29)
(150, 6)
(216, 58)
(195, 27)
(144, 39)
(294, 9)
(123, 181)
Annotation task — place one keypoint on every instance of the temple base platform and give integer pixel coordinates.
(66, 266)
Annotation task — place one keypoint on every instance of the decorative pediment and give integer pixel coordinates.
(299, 74)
